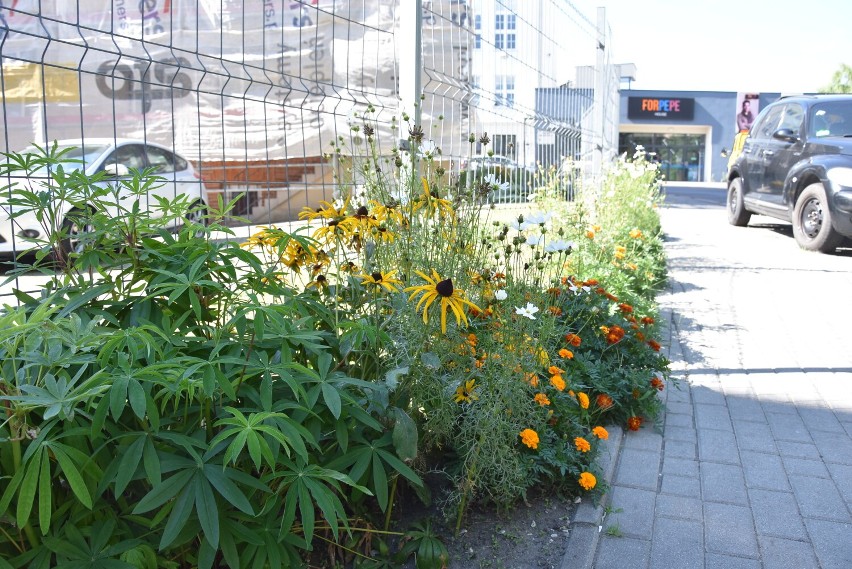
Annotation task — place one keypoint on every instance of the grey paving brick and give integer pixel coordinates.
(712, 417)
(729, 529)
(639, 468)
(680, 507)
(689, 486)
(805, 467)
(680, 393)
(754, 436)
(704, 395)
(789, 428)
(718, 446)
(831, 543)
(677, 420)
(614, 550)
(776, 513)
(680, 466)
(764, 471)
(679, 407)
(643, 439)
(677, 544)
(820, 420)
(719, 561)
(819, 498)
(681, 449)
(746, 409)
(834, 447)
(675, 433)
(799, 450)
(775, 404)
(632, 511)
(778, 553)
(842, 476)
(723, 483)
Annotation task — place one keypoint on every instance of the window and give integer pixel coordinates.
(500, 21)
(504, 145)
(498, 41)
(510, 41)
(504, 90)
(510, 22)
(161, 160)
(505, 22)
(477, 25)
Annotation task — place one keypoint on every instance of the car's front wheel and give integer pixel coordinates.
(812, 221)
(737, 213)
(76, 226)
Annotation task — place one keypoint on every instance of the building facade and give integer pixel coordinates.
(687, 132)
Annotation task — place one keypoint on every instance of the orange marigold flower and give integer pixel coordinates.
(635, 233)
(631, 266)
(583, 399)
(587, 480)
(571, 393)
(603, 401)
(529, 438)
(590, 234)
(566, 353)
(531, 378)
(591, 282)
(582, 444)
(541, 399)
(472, 339)
(557, 382)
(640, 336)
(553, 370)
(657, 383)
(654, 345)
(555, 310)
(554, 290)
(613, 334)
(600, 433)
(625, 308)
(633, 423)
(647, 320)
(573, 339)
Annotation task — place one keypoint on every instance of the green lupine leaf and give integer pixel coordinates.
(128, 464)
(332, 399)
(26, 495)
(227, 489)
(404, 435)
(136, 397)
(179, 515)
(208, 513)
(151, 462)
(45, 494)
(72, 475)
(164, 492)
(380, 483)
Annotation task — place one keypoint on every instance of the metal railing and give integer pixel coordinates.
(254, 93)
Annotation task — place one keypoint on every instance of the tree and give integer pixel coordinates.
(841, 81)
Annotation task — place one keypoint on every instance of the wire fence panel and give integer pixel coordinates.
(254, 93)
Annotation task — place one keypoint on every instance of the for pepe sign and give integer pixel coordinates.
(660, 108)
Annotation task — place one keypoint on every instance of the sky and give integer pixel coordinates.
(781, 46)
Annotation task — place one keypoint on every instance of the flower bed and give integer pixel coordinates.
(175, 402)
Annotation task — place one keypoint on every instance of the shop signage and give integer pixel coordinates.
(660, 108)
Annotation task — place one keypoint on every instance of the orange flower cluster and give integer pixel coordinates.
(529, 438)
(600, 433)
(654, 345)
(657, 383)
(636, 233)
(541, 399)
(604, 401)
(625, 308)
(647, 320)
(613, 334)
(587, 480)
(557, 382)
(583, 399)
(620, 252)
(582, 444)
(566, 354)
(633, 423)
(573, 339)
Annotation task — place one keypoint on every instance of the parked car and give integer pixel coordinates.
(485, 162)
(116, 157)
(796, 165)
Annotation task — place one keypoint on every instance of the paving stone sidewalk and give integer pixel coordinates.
(751, 465)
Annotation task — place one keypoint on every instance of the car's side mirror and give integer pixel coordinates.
(724, 153)
(785, 134)
(116, 170)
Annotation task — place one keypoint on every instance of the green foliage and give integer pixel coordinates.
(841, 81)
(169, 402)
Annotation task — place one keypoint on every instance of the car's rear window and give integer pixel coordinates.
(831, 118)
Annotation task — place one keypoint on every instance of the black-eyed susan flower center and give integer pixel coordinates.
(377, 277)
(362, 211)
(445, 288)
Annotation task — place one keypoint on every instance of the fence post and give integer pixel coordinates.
(410, 59)
(600, 94)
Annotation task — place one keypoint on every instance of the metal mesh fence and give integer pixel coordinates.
(254, 93)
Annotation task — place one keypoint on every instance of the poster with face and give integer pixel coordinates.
(748, 105)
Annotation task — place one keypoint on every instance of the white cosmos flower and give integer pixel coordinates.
(534, 240)
(495, 184)
(558, 245)
(528, 311)
(501, 294)
(539, 217)
(577, 290)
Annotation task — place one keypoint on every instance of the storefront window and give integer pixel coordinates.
(680, 156)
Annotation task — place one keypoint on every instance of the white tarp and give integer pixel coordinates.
(221, 79)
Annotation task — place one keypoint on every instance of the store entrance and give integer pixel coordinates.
(681, 156)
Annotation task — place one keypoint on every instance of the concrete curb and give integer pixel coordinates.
(587, 522)
(588, 518)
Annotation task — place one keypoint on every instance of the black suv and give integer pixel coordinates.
(796, 165)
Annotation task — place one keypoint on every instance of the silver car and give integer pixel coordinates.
(116, 157)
